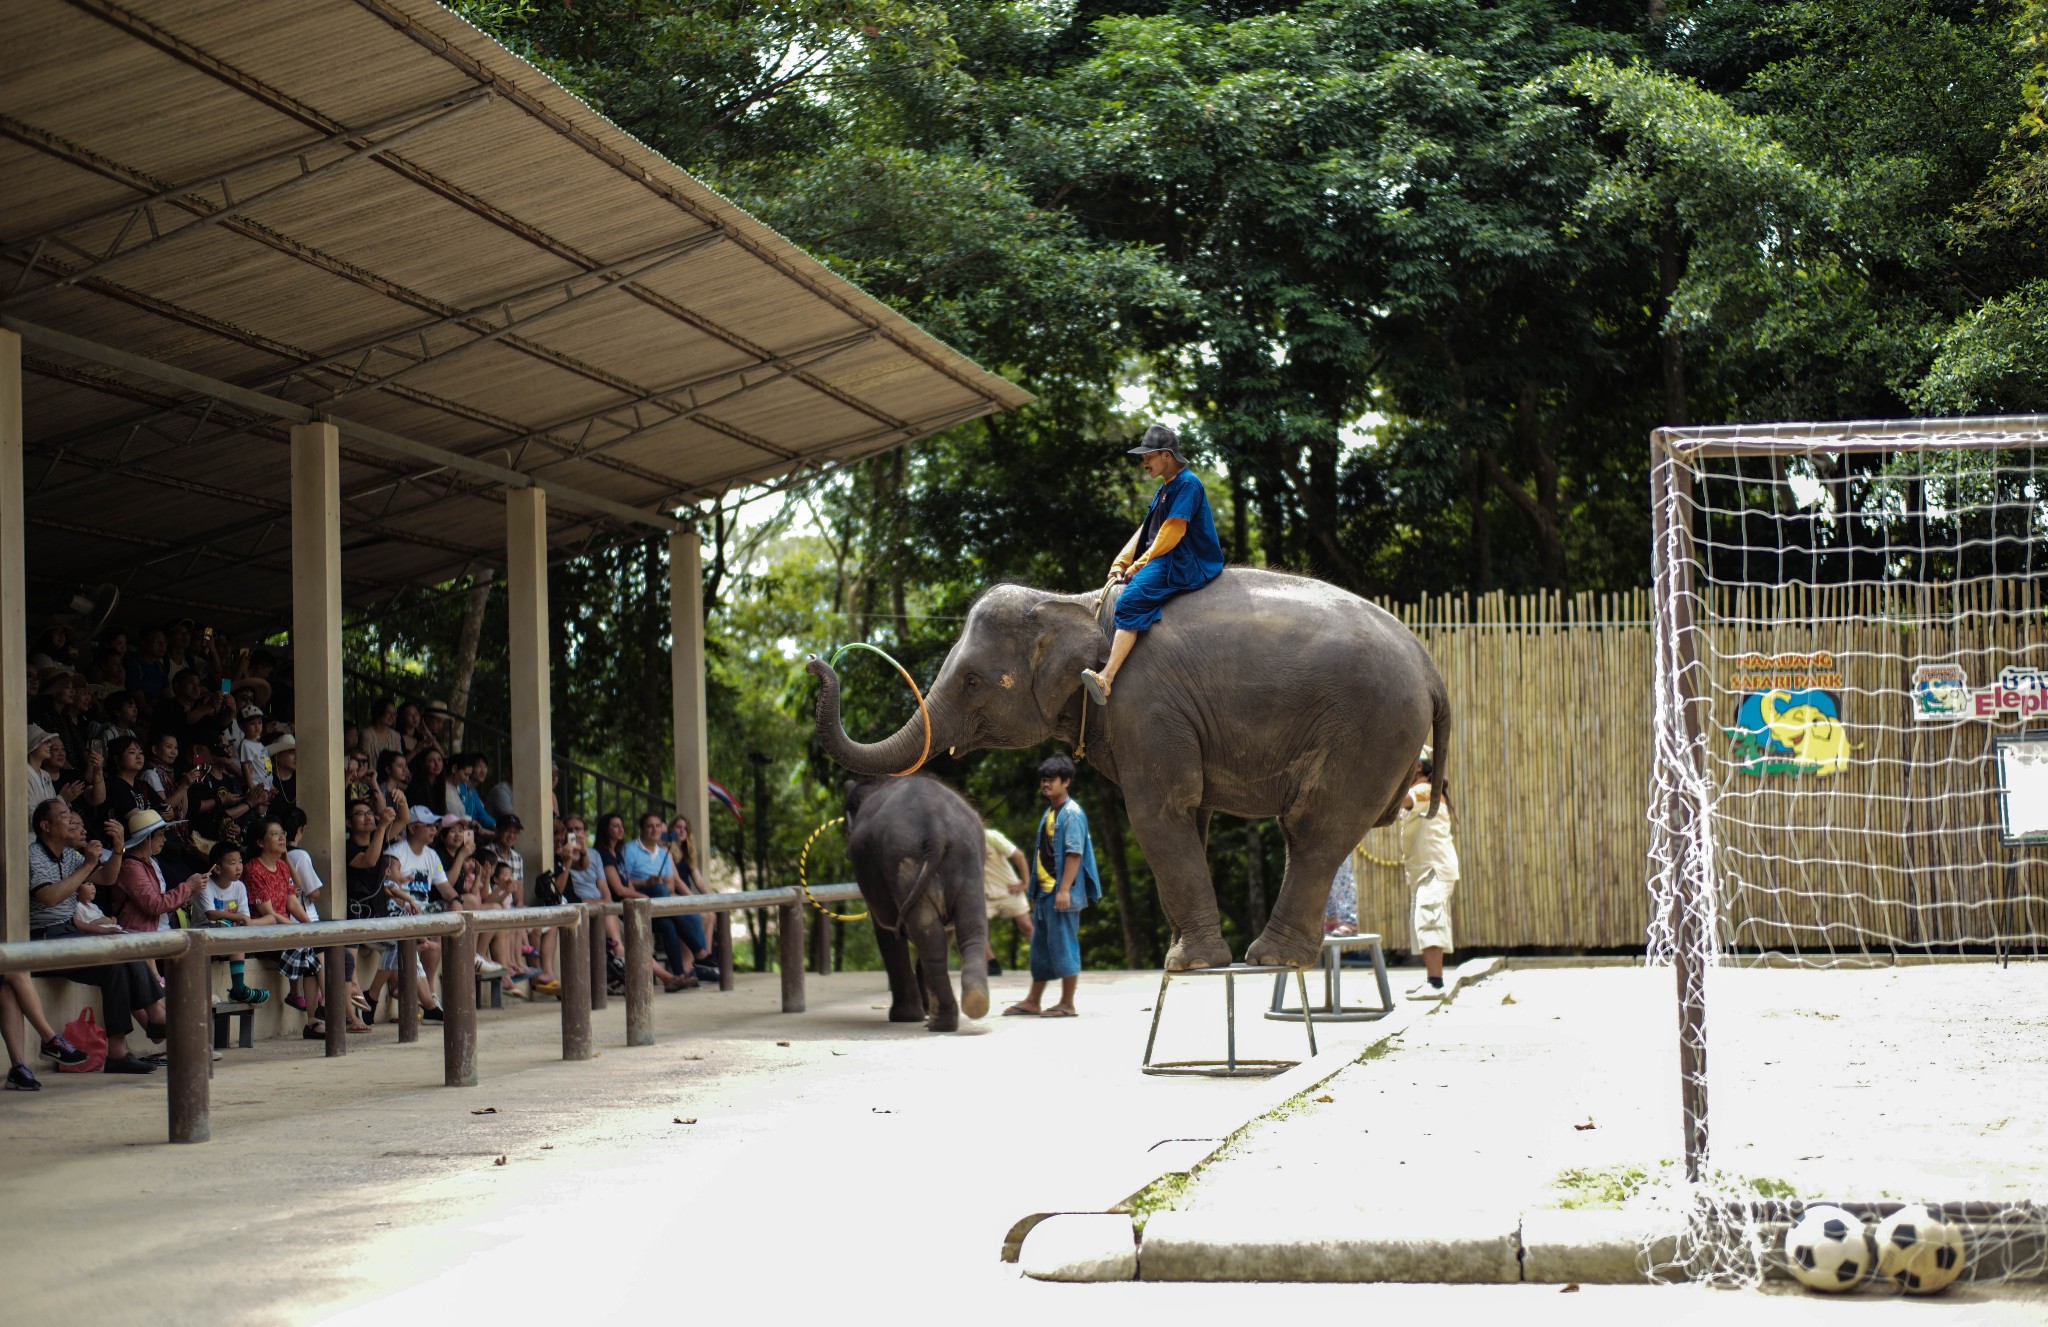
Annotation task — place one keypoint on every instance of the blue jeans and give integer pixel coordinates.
(671, 933)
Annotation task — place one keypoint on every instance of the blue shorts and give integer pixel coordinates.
(1138, 607)
(1055, 942)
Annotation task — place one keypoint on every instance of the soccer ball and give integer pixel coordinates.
(1826, 1249)
(1918, 1251)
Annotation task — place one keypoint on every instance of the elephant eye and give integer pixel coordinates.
(972, 681)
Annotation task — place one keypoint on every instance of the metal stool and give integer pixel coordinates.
(1231, 1066)
(1333, 1008)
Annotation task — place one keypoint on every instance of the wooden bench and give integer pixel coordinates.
(495, 985)
(225, 1010)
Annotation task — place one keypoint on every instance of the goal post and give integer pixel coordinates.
(1850, 774)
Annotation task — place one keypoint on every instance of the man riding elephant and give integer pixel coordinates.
(1181, 553)
(1262, 694)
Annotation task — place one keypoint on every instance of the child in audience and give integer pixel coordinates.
(252, 753)
(89, 920)
(224, 901)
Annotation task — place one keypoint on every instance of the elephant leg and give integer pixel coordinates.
(1294, 930)
(971, 933)
(906, 1005)
(928, 932)
(1172, 843)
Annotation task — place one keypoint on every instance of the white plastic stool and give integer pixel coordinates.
(1231, 1066)
(1333, 1009)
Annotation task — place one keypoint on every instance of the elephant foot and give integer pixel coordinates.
(1280, 947)
(1190, 952)
(974, 1001)
(943, 1020)
(906, 1013)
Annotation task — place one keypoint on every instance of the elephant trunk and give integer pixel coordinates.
(894, 754)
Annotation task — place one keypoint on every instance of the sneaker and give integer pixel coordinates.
(128, 1064)
(486, 968)
(433, 1015)
(248, 996)
(1426, 992)
(21, 1078)
(707, 972)
(59, 1050)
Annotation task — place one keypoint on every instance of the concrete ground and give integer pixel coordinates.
(858, 1170)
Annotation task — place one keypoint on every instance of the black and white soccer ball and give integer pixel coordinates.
(1828, 1249)
(1919, 1252)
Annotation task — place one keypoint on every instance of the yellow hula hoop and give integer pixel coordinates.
(1379, 861)
(803, 881)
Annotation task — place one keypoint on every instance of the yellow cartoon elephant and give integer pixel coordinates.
(1816, 738)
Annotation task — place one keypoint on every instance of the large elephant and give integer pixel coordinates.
(1261, 694)
(917, 847)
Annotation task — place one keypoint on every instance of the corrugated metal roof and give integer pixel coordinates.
(369, 208)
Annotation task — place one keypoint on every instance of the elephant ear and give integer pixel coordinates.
(1065, 639)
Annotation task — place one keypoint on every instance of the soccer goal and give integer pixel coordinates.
(1849, 847)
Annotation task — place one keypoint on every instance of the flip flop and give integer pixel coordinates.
(1093, 683)
(1057, 1012)
(1019, 1011)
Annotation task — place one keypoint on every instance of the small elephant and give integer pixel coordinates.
(917, 848)
(1260, 694)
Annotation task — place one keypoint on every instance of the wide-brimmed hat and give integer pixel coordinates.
(439, 707)
(144, 822)
(282, 745)
(1159, 438)
(38, 736)
(257, 685)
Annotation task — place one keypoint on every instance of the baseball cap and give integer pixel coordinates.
(1158, 438)
(252, 712)
(420, 815)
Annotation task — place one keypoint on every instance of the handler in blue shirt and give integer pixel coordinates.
(1063, 882)
(1181, 553)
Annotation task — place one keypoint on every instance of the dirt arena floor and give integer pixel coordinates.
(1558, 1088)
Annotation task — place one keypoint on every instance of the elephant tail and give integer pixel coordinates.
(1439, 745)
(932, 855)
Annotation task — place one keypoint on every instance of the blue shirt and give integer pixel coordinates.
(1198, 558)
(1069, 834)
(638, 864)
(473, 807)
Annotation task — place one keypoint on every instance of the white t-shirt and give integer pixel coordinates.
(255, 758)
(418, 871)
(1425, 842)
(230, 897)
(307, 879)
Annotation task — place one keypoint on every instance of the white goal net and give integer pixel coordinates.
(1849, 860)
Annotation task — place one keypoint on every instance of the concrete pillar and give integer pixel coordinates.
(533, 747)
(14, 819)
(686, 671)
(316, 654)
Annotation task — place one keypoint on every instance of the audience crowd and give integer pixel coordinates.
(163, 789)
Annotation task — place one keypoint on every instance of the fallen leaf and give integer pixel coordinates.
(499, 1162)
(877, 1110)
(1326, 1099)
(839, 1052)
(782, 1043)
(485, 1110)
(681, 1120)
(1587, 1125)
(1571, 1289)
(1508, 999)
(547, 1147)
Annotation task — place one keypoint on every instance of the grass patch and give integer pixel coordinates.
(1161, 1195)
(1379, 1050)
(1605, 1186)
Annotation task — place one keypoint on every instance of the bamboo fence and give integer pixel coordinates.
(1550, 768)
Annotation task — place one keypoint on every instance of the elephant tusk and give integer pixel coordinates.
(951, 750)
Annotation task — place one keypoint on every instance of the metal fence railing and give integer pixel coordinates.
(187, 955)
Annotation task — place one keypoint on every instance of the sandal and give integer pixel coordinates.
(1057, 1012)
(1097, 692)
(1019, 1011)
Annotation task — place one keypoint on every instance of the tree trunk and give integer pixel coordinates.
(656, 767)
(1136, 953)
(1670, 267)
(899, 480)
(465, 654)
(1255, 872)
(1482, 528)
(1240, 551)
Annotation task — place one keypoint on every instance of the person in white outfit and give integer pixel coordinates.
(1429, 859)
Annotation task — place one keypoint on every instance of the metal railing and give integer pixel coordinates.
(188, 994)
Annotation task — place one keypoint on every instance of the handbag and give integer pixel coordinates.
(85, 1033)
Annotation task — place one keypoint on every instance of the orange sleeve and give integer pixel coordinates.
(1170, 532)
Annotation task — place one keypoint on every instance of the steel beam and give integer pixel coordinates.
(233, 207)
(262, 403)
